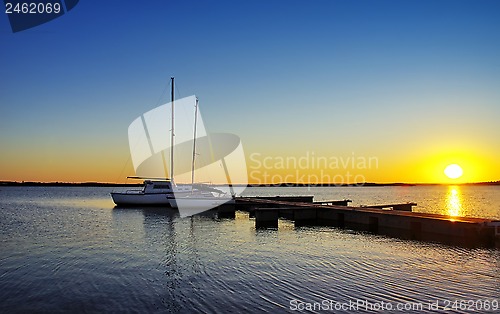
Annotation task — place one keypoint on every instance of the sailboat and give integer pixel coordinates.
(155, 191)
(220, 159)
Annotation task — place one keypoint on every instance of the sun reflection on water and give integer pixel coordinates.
(454, 202)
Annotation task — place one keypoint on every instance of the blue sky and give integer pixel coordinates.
(287, 76)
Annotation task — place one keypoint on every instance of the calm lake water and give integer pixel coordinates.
(67, 249)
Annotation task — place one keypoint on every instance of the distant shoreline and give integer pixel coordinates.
(366, 184)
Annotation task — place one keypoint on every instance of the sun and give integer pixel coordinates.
(453, 171)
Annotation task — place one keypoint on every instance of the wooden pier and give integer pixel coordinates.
(400, 222)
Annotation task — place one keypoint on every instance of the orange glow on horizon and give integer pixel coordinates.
(109, 164)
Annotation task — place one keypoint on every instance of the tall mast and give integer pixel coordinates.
(172, 135)
(194, 143)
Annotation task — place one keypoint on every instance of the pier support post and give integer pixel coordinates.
(305, 216)
(415, 230)
(373, 225)
(341, 220)
(226, 211)
(266, 218)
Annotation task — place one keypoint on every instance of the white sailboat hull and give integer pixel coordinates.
(149, 199)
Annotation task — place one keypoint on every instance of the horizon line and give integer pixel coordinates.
(282, 184)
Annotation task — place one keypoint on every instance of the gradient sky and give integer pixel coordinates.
(414, 84)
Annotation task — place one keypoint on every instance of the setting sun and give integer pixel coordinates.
(453, 171)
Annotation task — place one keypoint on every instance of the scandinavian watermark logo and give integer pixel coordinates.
(310, 169)
(207, 169)
(25, 14)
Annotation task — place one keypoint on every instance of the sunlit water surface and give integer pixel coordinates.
(66, 249)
